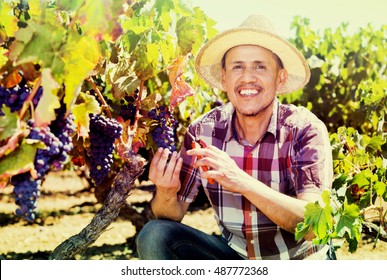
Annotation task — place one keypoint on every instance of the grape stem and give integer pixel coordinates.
(105, 106)
(29, 99)
(138, 106)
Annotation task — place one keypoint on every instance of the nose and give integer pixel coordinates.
(248, 75)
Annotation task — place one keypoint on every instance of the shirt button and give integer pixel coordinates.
(252, 241)
(250, 214)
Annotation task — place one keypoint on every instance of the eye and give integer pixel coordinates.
(260, 67)
(237, 67)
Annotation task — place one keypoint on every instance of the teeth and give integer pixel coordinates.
(248, 91)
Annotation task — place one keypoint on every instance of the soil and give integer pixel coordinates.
(67, 204)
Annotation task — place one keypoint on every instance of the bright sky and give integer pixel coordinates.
(322, 13)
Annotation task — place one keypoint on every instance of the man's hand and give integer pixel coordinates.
(222, 167)
(165, 174)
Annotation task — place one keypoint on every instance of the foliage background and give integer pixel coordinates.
(76, 48)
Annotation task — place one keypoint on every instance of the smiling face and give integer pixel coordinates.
(251, 76)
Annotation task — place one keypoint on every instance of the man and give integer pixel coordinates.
(264, 161)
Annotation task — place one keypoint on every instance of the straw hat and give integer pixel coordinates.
(255, 30)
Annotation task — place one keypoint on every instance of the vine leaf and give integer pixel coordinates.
(81, 111)
(81, 55)
(8, 23)
(180, 88)
(10, 132)
(8, 123)
(349, 221)
(317, 218)
(45, 111)
(20, 160)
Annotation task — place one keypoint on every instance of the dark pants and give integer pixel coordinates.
(168, 240)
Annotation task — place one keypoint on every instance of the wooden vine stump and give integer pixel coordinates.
(123, 183)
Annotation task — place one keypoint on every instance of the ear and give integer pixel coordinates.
(282, 76)
(223, 77)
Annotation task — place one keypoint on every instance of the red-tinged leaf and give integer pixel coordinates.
(180, 88)
(12, 79)
(3, 182)
(13, 75)
(180, 91)
(177, 67)
(12, 143)
(21, 160)
(45, 111)
(139, 139)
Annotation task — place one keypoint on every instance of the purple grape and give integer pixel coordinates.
(26, 192)
(63, 128)
(164, 134)
(26, 189)
(103, 133)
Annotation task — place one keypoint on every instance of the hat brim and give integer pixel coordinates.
(208, 60)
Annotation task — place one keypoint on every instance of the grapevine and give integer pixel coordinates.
(92, 85)
(105, 81)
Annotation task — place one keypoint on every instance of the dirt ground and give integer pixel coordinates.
(67, 205)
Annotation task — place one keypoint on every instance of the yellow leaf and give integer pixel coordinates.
(81, 113)
(81, 55)
(8, 22)
(45, 111)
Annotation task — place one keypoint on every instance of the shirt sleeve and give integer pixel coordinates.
(312, 163)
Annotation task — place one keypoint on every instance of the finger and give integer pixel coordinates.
(171, 166)
(206, 162)
(213, 175)
(154, 163)
(176, 171)
(160, 167)
(203, 152)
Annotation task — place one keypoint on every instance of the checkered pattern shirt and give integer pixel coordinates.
(293, 157)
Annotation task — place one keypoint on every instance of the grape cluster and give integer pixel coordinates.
(63, 128)
(103, 133)
(58, 143)
(15, 97)
(26, 192)
(26, 189)
(164, 134)
(128, 108)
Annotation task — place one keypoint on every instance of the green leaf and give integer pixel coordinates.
(96, 18)
(69, 5)
(188, 32)
(301, 230)
(39, 43)
(349, 222)
(362, 179)
(164, 7)
(320, 218)
(380, 188)
(81, 112)
(376, 142)
(9, 123)
(20, 160)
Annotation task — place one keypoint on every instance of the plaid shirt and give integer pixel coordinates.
(293, 157)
